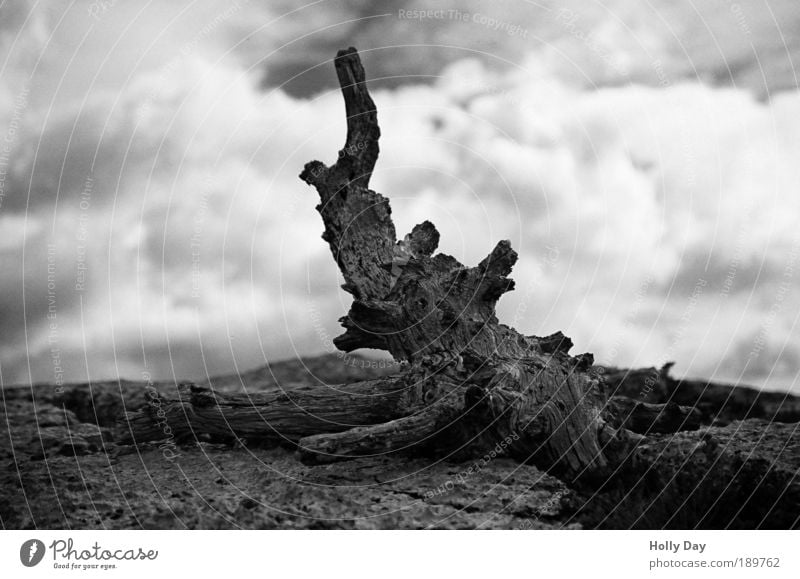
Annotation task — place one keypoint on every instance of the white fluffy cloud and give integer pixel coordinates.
(153, 218)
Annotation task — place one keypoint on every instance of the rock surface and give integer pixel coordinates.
(745, 475)
(61, 469)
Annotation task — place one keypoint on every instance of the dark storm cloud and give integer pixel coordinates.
(749, 45)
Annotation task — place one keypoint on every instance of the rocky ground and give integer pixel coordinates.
(62, 468)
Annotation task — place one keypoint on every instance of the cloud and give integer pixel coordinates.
(157, 151)
(748, 45)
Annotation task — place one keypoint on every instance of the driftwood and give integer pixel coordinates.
(467, 383)
(718, 404)
(645, 418)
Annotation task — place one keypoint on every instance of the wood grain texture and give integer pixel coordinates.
(468, 382)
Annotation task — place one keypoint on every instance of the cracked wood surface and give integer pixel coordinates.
(467, 381)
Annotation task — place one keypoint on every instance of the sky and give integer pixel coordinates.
(640, 156)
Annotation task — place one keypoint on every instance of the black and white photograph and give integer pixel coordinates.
(512, 265)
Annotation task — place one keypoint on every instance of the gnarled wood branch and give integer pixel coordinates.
(469, 381)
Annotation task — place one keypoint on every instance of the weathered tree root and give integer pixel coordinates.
(469, 381)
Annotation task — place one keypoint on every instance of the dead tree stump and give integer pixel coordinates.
(469, 383)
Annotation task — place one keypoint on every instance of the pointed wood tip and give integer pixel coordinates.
(421, 242)
(346, 51)
(348, 61)
(501, 260)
